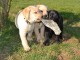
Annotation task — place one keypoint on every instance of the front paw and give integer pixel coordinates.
(29, 38)
(46, 43)
(26, 49)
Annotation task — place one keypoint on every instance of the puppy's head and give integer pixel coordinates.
(32, 14)
(52, 14)
(43, 8)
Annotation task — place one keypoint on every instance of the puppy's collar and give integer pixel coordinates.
(28, 18)
(27, 21)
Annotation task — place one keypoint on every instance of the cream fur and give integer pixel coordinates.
(24, 27)
(43, 8)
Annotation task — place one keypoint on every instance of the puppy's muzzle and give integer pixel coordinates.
(39, 18)
(45, 16)
(44, 13)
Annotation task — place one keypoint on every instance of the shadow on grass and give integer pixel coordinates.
(9, 40)
(72, 24)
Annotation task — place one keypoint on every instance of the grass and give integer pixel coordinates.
(10, 43)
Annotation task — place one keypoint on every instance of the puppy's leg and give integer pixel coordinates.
(42, 33)
(57, 39)
(29, 36)
(22, 34)
(37, 33)
(61, 36)
(48, 36)
(46, 42)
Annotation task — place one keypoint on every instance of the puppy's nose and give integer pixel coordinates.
(41, 16)
(38, 19)
(45, 15)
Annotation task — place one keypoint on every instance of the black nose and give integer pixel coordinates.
(41, 16)
(44, 17)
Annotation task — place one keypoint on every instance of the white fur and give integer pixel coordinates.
(25, 23)
(24, 28)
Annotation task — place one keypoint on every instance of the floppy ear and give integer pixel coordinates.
(26, 12)
(38, 6)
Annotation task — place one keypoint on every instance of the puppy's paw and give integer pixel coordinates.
(46, 43)
(29, 38)
(27, 49)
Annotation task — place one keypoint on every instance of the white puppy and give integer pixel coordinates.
(25, 23)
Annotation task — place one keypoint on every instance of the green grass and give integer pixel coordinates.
(10, 43)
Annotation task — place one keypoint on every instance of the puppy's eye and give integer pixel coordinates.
(50, 15)
(41, 11)
(35, 12)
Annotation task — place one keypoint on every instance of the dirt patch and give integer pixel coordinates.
(71, 40)
(3, 56)
(76, 51)
(64, 56)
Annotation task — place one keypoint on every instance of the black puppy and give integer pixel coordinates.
(55, 16)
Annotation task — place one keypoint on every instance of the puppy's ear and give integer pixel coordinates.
(26, 12)
(38, 6)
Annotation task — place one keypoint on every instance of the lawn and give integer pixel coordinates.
(69, 49)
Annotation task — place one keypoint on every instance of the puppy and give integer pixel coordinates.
(43, 9)
(56, 17)
(25, 23)
(40, 26)
(50, 15)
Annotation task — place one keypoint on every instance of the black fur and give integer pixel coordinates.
(55, 16)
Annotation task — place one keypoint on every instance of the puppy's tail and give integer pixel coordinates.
(17, 17)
